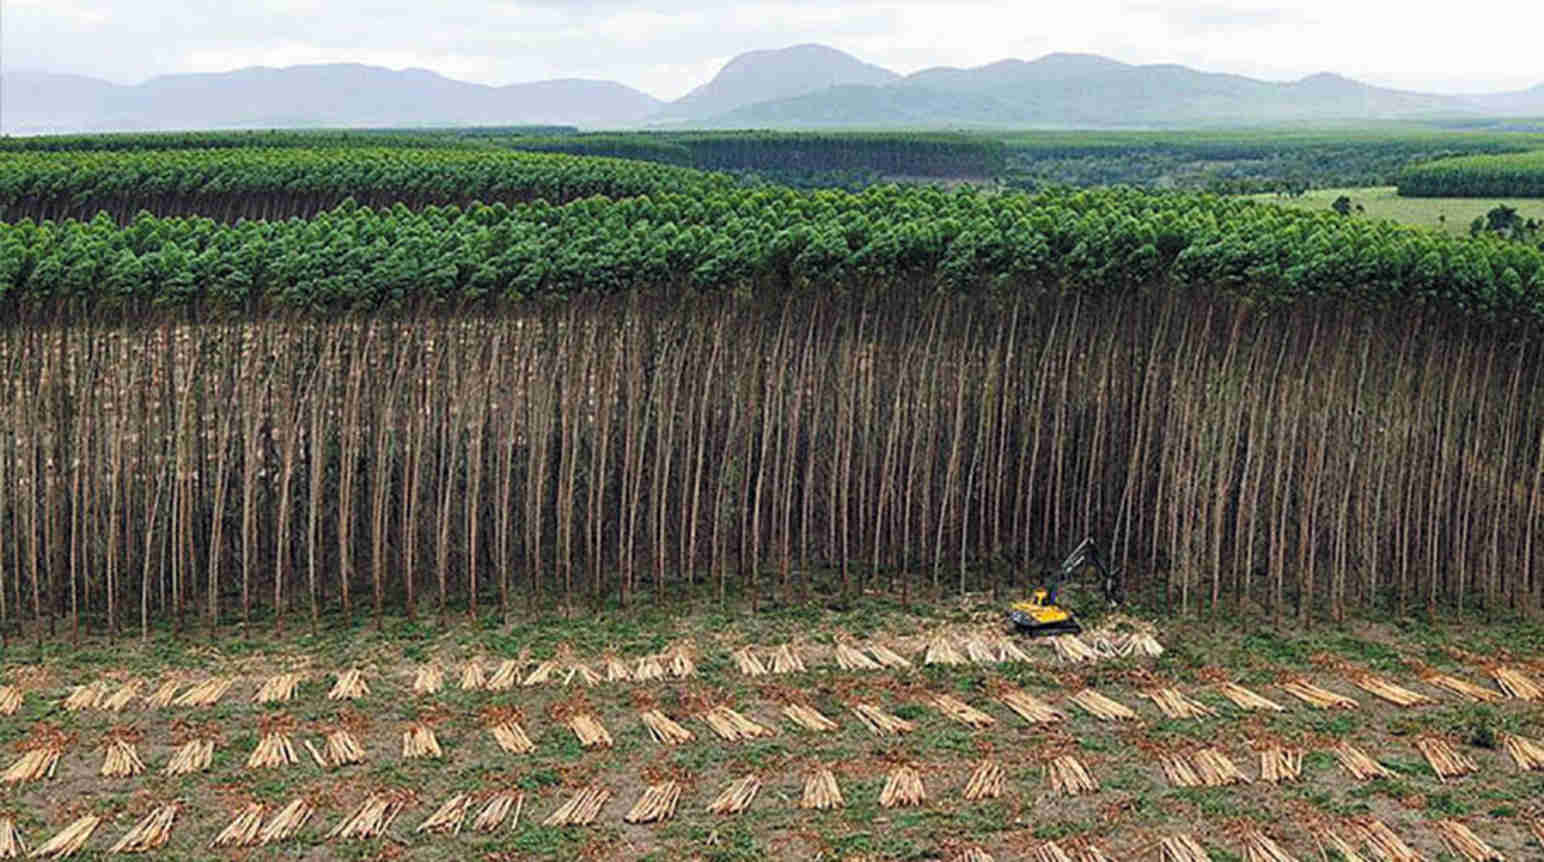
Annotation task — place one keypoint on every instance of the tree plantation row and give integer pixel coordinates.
(285, 182)
(917, 154)
(1308, 461)
(887, 241)
(1518, 175)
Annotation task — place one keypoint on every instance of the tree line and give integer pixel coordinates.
(884, 241)
(1519, 175)
(1307, 462)
(288, 182)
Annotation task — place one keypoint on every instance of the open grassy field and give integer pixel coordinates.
(1133, 808)
(1452, 215)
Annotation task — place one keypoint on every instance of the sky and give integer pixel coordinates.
(667, 47)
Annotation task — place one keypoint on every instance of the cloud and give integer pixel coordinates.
(1217, 20)
(667, 47)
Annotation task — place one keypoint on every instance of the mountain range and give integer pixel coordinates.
(805, 86)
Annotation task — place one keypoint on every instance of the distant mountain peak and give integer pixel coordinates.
(776, 74)
(1074, 59)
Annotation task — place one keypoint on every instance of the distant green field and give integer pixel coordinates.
(1450, 214)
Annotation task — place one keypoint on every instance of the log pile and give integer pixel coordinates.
(962, 712)
(736, 797)
(663, 729)
(1208, 767)
(1444, 760)
(941, 651)
(243, 829)
(150, 833)
(350, 685)
(888, 657)
(1382, 842)
(808, 717)
(119, 700)
(1341, 846)
(977, 651)
(1248, 700)
(1102, 707)
(121, 760)
(786, 660)
(849, 658)
(881, 723)
(587, 676)
(163, 696)
(1182, 848)
(903, 788)
(1526, 753)
(746, 661)
(509, 734)
(1178, 771)
(1069, 777)
(1316, 697)
(472, 677)
(648, 669)
(428, 680)
(288, 822)
(70, 839)
(540, 676)
(1028, 707)
(497, 810)
(986, 782)
(273, 750)
(40, 756)
(1516, 683)
(1462, 842)
(820, 791)
(1216, 769)
(1356, 762)
(342, 748)
(419, 742)
(1175, 704)
(973, 854)
(447, 819)
(1008, 650)
(1278, 765)
(680, 660)
(279, 688)
(372, 818)
(1050, 851)
(1389, 692)
(504, 678)
(1461, 687)
(615, 670)
(1140, 644)
(12, 845)
(731, 726)
(1259, 847)
(83, 697)
(10, 701)
(206, 693)
(590, 732)
(1071, 649)
(507, 674)
(657, 804)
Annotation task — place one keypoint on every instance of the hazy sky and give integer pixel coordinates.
(666, 47)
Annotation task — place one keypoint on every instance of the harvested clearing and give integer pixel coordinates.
(956, 758)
